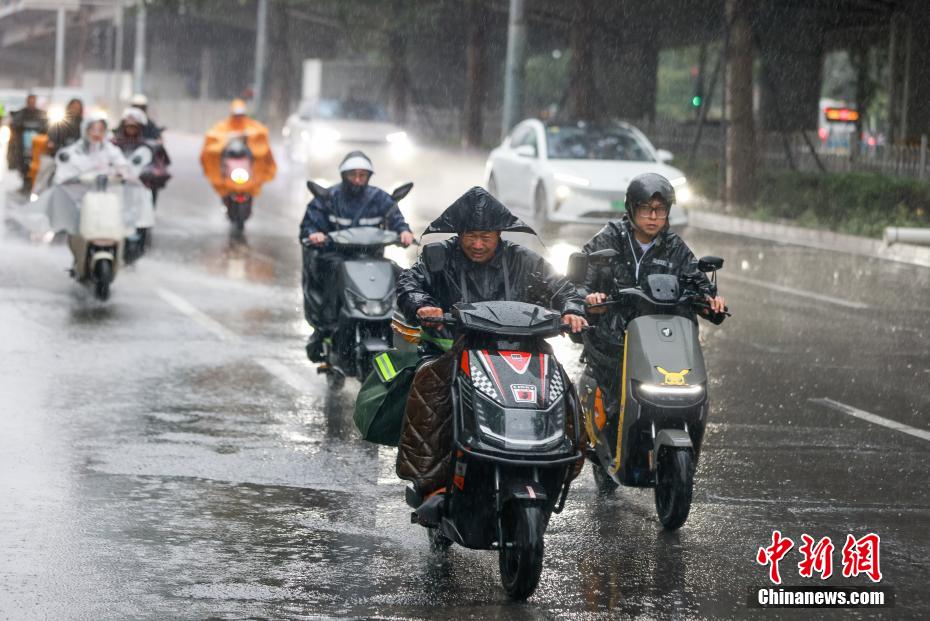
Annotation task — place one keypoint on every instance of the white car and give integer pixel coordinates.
(577, 172)
(327, 129)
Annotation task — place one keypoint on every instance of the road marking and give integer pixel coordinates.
(873, 418)
(273, 367)
(798, 292)
(212, 325)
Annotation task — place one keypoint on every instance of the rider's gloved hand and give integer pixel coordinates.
(406, 238)
(317, 239)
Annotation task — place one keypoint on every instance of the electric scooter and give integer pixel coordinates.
(654, 439)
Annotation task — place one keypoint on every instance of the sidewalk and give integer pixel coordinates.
(814, 238)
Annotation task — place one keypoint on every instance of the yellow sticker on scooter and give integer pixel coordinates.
(672, 378)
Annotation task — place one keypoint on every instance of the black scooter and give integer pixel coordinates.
(511, 455)
(655, 438)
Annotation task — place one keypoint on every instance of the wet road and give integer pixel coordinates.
(172, 454)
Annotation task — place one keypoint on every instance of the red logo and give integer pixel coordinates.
(860, 556)
(774, 553)
(523, 393)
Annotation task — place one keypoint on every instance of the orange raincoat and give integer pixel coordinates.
(256, 136)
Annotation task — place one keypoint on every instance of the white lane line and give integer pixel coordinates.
(873, 418)
(280, 371)
(285, 374)
(798, 292)
(212, 325)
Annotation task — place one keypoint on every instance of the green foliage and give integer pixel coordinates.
(545, 82)
(854, 203)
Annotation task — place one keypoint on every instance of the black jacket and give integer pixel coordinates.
(529, 276)
(669, 255)
(372, 207)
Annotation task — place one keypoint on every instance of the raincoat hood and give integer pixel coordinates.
(92, 118)
(477, 210)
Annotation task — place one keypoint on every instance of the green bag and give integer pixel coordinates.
(379, 408)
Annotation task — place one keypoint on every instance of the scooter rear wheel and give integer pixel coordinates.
(103, 275)
(674, 486)
(521, 563)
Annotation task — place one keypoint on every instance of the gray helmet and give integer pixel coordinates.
(646, 186)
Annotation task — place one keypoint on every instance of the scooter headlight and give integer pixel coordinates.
(663, 393)
(239, 176)
(520, 429)
(372, 308)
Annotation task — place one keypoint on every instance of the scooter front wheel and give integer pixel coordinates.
(674, 486)
(521, 552)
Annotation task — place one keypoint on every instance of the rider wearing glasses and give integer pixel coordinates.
(645, 246)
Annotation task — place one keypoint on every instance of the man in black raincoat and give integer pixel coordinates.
(479, 266)
(645, 246)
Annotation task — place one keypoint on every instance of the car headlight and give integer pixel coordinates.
(572, 180)
(239, 176)
(323, 137)
(399, 144)
(562, 192)
(682, 191)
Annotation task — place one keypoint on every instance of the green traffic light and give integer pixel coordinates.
(696, 101)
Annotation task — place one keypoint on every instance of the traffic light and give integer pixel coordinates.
(697, 88)
(696, 101)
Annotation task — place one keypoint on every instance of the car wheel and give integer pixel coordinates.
(492, 186)
(541, 209)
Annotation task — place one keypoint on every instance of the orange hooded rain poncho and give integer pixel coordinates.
(256, 136)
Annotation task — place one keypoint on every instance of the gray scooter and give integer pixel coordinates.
(655, 438)
(366, 281)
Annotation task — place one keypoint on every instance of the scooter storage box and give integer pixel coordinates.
(102, 217)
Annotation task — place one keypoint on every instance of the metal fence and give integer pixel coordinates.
(793, 151)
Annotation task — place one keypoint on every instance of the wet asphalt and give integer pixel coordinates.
(171, 454)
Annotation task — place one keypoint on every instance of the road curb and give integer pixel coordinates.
(813, 238)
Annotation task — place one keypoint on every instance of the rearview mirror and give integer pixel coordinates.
(710, 263)
(577, 267)
(317, 190)
(401, 191)
(434, 257)
(525, 150)
(664, 155)
(604, 255)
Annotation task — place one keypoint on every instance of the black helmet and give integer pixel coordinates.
(646, 186)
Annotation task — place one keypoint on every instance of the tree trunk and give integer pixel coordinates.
(280, 65)
(398, 80)
(741, 145)
(582, 101)
(476, 72)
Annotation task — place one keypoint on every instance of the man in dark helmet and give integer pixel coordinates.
(351, 203)
(479, 267)
(645, 246)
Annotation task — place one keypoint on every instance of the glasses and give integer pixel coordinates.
(648, 210)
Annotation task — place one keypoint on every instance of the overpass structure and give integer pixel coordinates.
(470, 55)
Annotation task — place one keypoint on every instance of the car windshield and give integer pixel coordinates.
(349, 109)
(596, 143)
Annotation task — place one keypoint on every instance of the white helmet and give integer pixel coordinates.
(136, 116)
(139, 100)
(356, 160)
